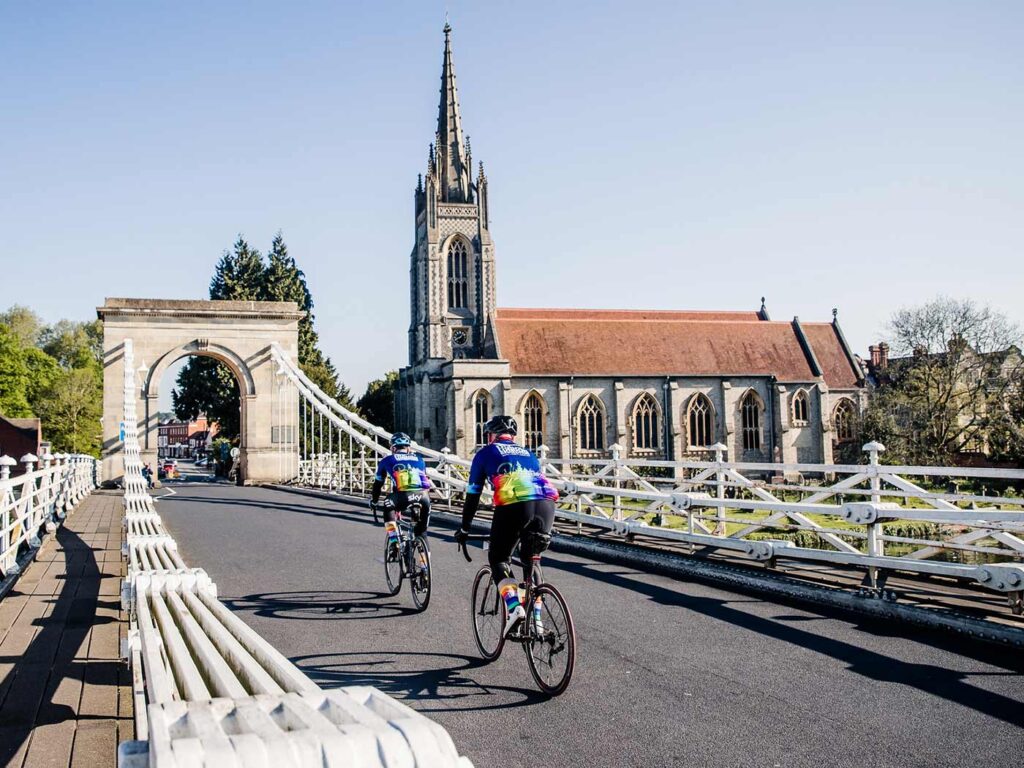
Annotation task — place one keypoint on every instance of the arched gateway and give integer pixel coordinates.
(239, 334)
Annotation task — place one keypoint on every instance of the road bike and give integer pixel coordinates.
(547, 634)
(409, 558)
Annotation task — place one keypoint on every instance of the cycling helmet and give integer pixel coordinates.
(501, 425)
(400, 440)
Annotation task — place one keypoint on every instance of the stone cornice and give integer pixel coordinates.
(254, 310)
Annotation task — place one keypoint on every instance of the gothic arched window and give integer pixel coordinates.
(533, 421)
(700, 418)
(750, 421)
(458, 275)
(481, 413)
(801, 408)
(646, 429)
(843, 421)
(590, 425)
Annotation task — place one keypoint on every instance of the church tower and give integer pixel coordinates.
(451, 274)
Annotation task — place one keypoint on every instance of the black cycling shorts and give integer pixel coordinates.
(509, 523)
(401, 500)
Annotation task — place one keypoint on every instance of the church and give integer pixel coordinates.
(660, 384)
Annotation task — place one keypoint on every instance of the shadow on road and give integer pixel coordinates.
(441, 677)
(937, 681)
(319, 605)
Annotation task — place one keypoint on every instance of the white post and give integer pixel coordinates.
(29, 460)
(617, 478)
(876, 547)
(719, 450)
(6, 462)
(447, 474)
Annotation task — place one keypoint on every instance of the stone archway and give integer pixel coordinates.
(237, 333)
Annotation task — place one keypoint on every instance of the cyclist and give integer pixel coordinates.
(409, 483)
(524, 507)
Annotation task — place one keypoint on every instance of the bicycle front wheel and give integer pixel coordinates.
(551, 645)
(393, 567)
(488, 614)
(419, 577)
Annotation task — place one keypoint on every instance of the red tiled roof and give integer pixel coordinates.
(832, 359)
(625, 314)
(626, 343)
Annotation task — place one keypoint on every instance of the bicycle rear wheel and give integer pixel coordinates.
(393, 567)
(488, 614)
(419, 577)
(551, 647)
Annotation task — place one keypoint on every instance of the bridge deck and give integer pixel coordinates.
(670, 672)
(65, 697)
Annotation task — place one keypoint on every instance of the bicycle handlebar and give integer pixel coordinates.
(472, 537)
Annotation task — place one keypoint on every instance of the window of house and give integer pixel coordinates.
(800, 408)
(750, 422)
(646, 429)
(533, 422)
(590, 425)
(458, 276)
(481, 413)
(843, 420)
(700, 419)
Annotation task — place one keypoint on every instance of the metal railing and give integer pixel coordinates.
(207, 688)
(964, 523)
(50, 487)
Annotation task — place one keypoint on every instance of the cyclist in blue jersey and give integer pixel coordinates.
(409, 483)
(524, 507)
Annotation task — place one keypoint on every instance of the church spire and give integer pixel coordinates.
(451, 148)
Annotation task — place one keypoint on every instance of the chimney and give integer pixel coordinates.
(876, 356)
(883, 356)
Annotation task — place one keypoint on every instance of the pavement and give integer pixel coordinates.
(65, 695)
(670, 672)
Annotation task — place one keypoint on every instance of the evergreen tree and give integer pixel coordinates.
(377, 405)
(239, 274)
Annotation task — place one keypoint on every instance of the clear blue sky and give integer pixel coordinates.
(664, 155)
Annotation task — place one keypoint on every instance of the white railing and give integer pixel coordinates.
(871, 516)
(208, 689)
(40, 498)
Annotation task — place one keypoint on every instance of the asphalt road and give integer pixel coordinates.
(670, 673)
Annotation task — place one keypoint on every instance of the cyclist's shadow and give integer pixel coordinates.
(319, 605)
(447, 682)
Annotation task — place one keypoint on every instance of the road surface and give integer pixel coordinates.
(670, 672)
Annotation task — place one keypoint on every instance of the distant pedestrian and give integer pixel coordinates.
(147, 473)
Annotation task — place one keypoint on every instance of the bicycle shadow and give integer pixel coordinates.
(447, 682)
(319, 605)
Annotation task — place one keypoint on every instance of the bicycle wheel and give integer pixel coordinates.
(488, 614)
(551, 648)
(419, 577)
(393, 567)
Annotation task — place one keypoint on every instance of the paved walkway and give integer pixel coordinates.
(65, 696)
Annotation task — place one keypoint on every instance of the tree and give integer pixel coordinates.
(25, 324)
(71, 411)
(205, 385)
(238, 275)
(57, 376)
(947, 388)
(377, 405)
(14, 376)
(73, 344)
